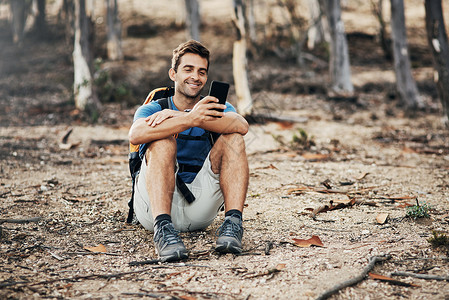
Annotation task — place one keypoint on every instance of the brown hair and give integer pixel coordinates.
(191, 46)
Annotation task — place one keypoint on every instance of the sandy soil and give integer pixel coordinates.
(367, 150)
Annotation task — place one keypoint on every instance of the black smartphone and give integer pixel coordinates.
(219, 90)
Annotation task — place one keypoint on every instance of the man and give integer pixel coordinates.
(214, 172)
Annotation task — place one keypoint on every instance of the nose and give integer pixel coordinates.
(194, 75)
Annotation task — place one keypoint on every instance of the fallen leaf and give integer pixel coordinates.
(313, 241)
(270, 166)
(186, 297)
(315, 156)
(404, 205)
(280, 267)
(408, 150)
(100, 248)
(390, 280)
(285, 125)
(381, 218)
(362, 176)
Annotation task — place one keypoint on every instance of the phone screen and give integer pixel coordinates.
(219, 90)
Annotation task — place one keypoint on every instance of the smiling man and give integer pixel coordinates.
(184, 181)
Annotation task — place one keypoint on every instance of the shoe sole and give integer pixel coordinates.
(228, 248)
(174, 257)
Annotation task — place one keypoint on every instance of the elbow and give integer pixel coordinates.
(244, 130)
(133, 138)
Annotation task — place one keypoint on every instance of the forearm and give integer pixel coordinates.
(141, 132)
(231, 122)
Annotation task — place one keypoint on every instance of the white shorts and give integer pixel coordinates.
(185, 216)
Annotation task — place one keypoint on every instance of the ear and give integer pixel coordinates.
(172, 74)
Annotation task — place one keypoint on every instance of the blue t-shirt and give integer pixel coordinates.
(190, 151)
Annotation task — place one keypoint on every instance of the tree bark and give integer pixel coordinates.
(114, 43)
(316, 33)
(339, 67)
(193, 19)
(40, 24)
(405, 83)
(85, 97)
(239, 62)
(438, 42)
(19, 12)
(383, 35)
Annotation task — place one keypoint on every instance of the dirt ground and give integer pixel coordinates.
(73, 192)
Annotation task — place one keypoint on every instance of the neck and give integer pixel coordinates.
(182, 102)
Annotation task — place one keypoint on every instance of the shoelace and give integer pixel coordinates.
(169, 235)
(229, 228)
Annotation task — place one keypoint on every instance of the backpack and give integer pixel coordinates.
(162, 95)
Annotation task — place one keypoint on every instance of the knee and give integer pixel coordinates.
(233, 141)
(163, 147)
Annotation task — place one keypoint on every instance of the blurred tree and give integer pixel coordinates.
(40, 23)
(67, 15)
(339, 67)
(84, 92)
(405, 83)
(114, 31)
(438, 42)
(19, 12)
(316, 33)
(239, 61)
(193, 19)
(377, 9)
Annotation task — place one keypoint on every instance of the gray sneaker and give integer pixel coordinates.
(169, 245)
(230, 235)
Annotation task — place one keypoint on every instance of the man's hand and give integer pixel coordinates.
(159, 117)
(205, 110)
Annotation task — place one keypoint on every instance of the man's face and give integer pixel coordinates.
(191, 75)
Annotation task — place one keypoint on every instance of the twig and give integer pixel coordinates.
(150, 295)
(373, 260)
(20, 221)
(421, 258)
(106, 276)
(145, 262)
(92, 253)
(268, 247)
(421, 276)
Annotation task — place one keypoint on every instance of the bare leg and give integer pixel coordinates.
(228, 158)
(160, 178)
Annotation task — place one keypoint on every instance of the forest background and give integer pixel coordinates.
(353, 164)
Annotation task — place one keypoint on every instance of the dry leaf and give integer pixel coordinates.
(390, 280)
(408, 150)
(313, 241)
(187, 297)
(404, 205)
(280, 267)
(315, 156)
(100, 248)
(285, 125)
(381, 218)
(362, 176)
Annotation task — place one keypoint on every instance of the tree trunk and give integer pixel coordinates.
(252, 23)
(383, 36)
(339, 67)
(114, 43)
(239, 62)
(438, 42)
(19, 11)
(316, 33)
(193, 19)
(40, 24)
(85, 97)
(405, 83)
